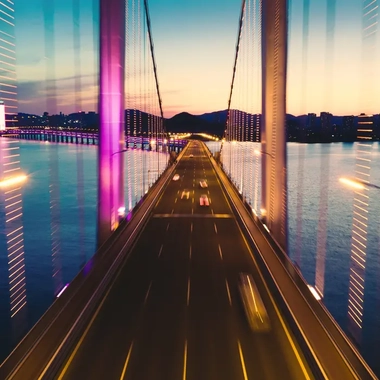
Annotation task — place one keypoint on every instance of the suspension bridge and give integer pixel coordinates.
(159, 296)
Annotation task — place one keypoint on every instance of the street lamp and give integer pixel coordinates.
(12, 181)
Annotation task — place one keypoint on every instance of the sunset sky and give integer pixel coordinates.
(194, 46)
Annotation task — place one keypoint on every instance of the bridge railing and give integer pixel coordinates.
(323, 363)
(44, 349)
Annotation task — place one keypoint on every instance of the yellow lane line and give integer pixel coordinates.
(228, 292)
(67, 365)
(242, 361)
(126, 362)
(304, 370)
(188, 291)
(184, 361)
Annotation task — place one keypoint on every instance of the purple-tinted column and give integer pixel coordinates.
(111, 117)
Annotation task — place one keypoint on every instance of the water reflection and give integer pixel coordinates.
(11, 214)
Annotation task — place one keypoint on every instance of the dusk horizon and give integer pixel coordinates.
(194, 47)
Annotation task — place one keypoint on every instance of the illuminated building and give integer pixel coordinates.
(11, 177)
(8, 83)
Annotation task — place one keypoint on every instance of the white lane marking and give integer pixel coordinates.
(191, 227)
(212, 211)
(188, 291)
(193, 184)
(216, 230)
(242, 361)
(147, 293)
(190, 253)
(192, 199)
(228, 293)
(193, 192)
(192, 210)
(173, 211)
(175, 201)
(209, 200)
(159, 253)
(184, 361)
(126, 362)
(220, 252)
(177, 192)
(167, 228)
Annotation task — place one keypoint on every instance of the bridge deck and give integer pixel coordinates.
(173, 312)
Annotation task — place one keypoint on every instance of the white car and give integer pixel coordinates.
(176, 177)
(203, 184)
(203, 200)
(185, 194)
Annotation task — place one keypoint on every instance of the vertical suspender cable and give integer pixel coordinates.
(51, 102)
(128, 97)
(325, 158)
(79, 147)
(360, 220)
(301, 146)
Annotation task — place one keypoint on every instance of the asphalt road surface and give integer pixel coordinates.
(174, 311)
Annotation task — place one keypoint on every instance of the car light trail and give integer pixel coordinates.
(63, 289)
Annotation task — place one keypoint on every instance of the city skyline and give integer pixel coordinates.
(195, 58)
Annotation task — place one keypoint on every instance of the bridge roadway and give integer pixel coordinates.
(173, 311)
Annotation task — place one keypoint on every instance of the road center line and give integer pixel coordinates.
(126, 362)
(159, 253)
(220, 252)
(191, 227)
(184, 361)
(242, 361)
(190, 253)
(175, 201)
(188, 291)
(167, 228)
(228, 293)
(216, 230)
(147, 293)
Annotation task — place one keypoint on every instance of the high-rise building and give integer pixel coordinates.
(311, 121)
(348, 128)
(326, 126)
(8, 83)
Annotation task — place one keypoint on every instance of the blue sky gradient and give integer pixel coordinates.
(194, 45)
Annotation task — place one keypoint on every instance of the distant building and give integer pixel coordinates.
(326, 126)
(311, 121)
(348, 128)
(8, 84)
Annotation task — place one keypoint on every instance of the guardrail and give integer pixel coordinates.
(327, 349)
(41, 353)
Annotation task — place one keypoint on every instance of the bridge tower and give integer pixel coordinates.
(111, 204)
(273, 126)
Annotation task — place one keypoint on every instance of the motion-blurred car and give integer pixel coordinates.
(176, 177)
(185, 194)
(203, 200)
(191, 156)
(253, 304)
(203, 184)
